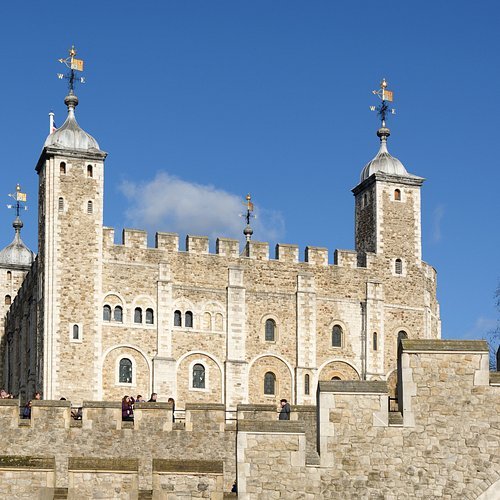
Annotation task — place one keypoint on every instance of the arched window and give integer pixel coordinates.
(365, 200)
(138, 315)
(118, 314)
(62, 167)
(337, 336)
(198, 376)
(60, 205)
(188, 321)
(336, 378)
(125, 371)
(398, 266)
(375, 341)
(90, 207)
(397, 195)
(177, 318)
(106, 313)
(8, 300)
(149, 317)
(207, 321)
(307, 388)
(76, 332)
(90, 171)
(9, 276)
(219, 322)
(269, 383)
(402, 335)
(270, 330)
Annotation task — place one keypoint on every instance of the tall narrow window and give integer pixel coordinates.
(149, 317)
(62, 167)
(189, 319)
(76, 332)
(207, 321)
(60, 205)
(375, 341)
(138, 315)
(125, 371)
(90, 171)
(8, 300)
(118, 314)
(177, 318)
(269, 383)
(9, 276)
(270, 330)
(397, 195)
(307, 388)
(398, 266)
(198, 376)
(106, 313)
(402, 335)
(90, 207)
(337, 336)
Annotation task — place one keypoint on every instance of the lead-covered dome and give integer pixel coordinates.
(384, 161)
(70, 135)
(17, 253)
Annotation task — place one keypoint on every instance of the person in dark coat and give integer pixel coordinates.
(285, 410)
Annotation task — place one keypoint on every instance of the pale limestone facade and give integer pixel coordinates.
(443, 444)
(109, 319)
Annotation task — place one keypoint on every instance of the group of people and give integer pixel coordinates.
(128, 403)
(5, 395)
(27, 407)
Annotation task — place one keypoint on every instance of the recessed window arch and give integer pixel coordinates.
(402, 335)
(397, 195)
(337, 334)
(270, 330)
(177, 318)
(307, 387)
(8, 300)
(90, 171)
(118, 314)
(336, 377)
(125, 371)
(188, 319)
(150, 317)
(137, 315)
(62, 167)
(398, 266)
(270, 383)
(219, 322)
(198, 376)
(375, 341)
(60, 204)
(106, 313)
(207, 321)
(76, 332)
(90, 207)
(9, 276)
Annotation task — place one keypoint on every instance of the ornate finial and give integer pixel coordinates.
(20, 204)
(248, 231)
(73, 64)
(383, 109)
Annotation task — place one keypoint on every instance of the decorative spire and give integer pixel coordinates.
(73, 64)
(20, 204)
(385, 95)
(248, 231)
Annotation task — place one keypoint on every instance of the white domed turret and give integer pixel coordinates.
(16, 253)
(70, 135)
(384, 161)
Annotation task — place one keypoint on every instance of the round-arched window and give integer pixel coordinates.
(198, 376)
(125, 376)
(270, 383)
(270, 333)
(337, 336)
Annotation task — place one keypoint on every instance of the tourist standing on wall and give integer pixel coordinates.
(285, 410)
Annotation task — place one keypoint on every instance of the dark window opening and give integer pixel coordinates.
(198, 376)
(149, 316)
(138, 315)
(306, 384)
(270, 330)
(269, 383)
(106, 313)
(337, 336)
(125, 376)
(398, 266)
(118, 314)
(188, 319)
(76, 332)
(177, 318)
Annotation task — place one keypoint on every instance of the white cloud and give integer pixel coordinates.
(437, 217)
(481, 328)
(168, 203)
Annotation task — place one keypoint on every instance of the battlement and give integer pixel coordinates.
(449, 409)
(230, 248)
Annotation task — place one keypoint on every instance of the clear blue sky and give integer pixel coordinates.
(205, 101)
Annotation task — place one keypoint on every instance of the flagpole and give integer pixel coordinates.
(51, 122)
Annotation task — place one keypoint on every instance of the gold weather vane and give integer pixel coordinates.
(73, 64)
(385, 95)
(20, 199)
(248, 231)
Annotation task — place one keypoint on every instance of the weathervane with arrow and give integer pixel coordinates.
(385, 96)
(73, 64)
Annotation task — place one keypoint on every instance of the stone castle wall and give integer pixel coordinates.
(444, 443)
